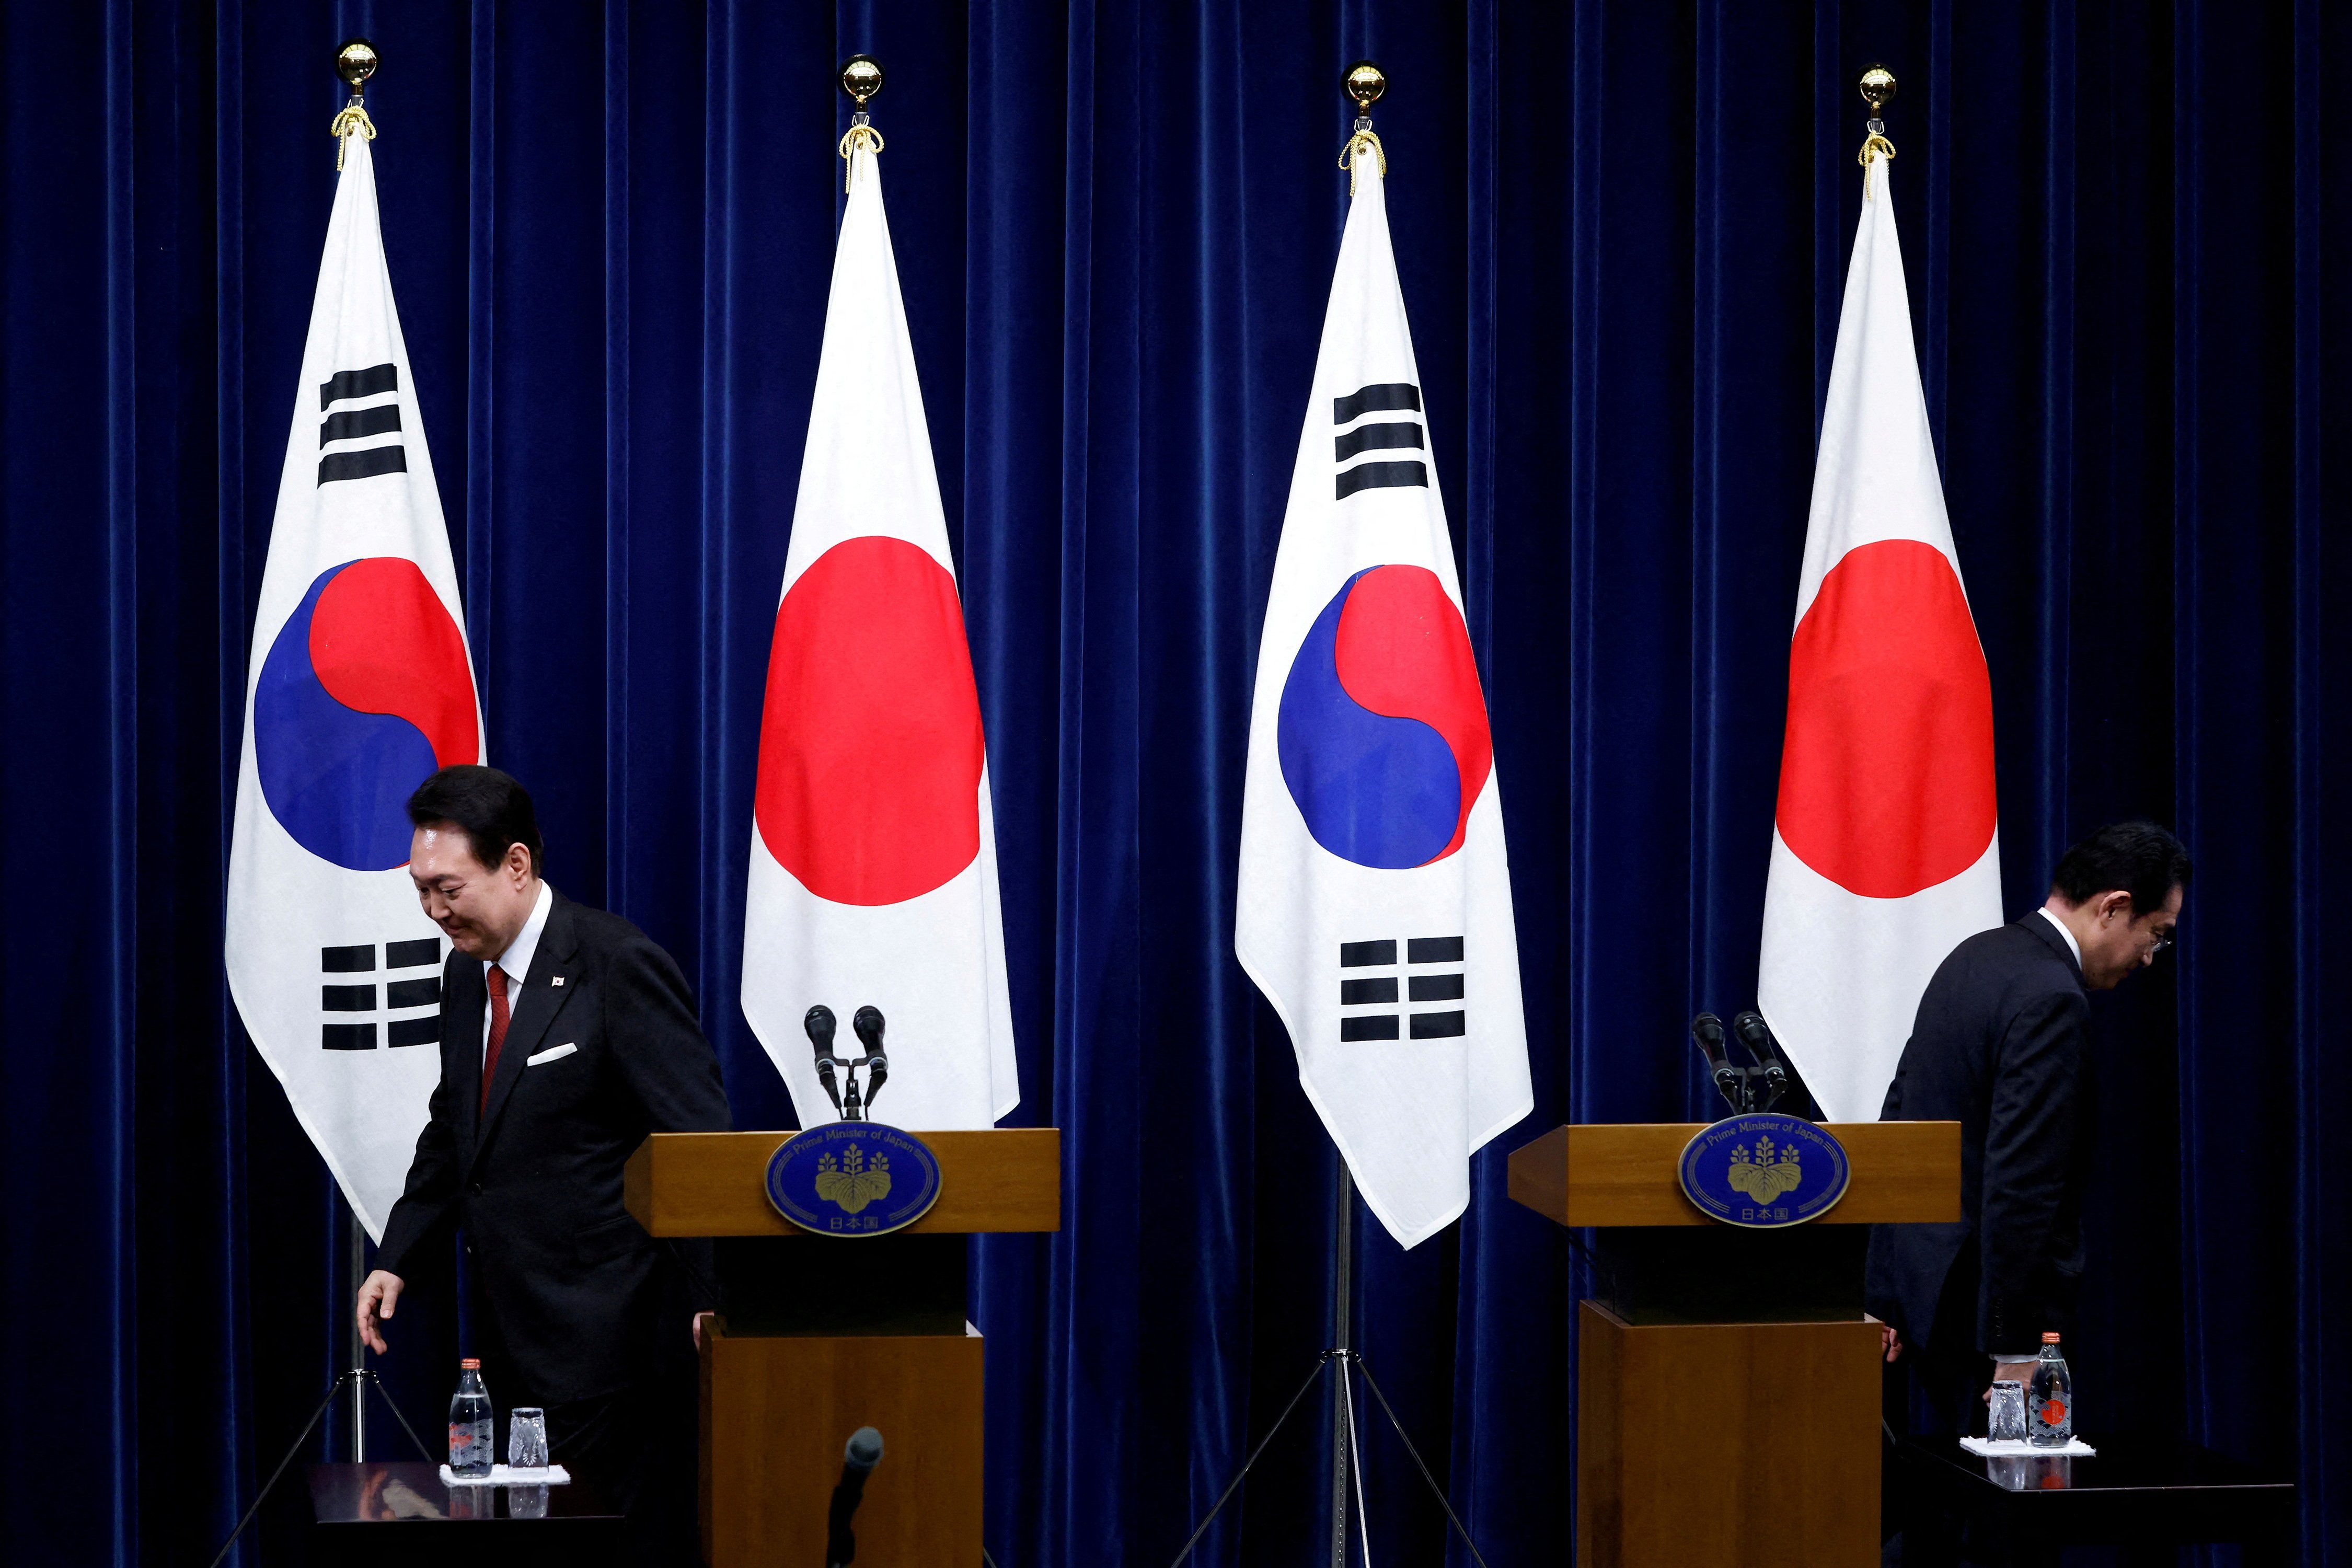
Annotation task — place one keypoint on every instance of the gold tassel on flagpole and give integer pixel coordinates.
(355, 61)
(861, 78)
(1877, 86)
(1364, 82)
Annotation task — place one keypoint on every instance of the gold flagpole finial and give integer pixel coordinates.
(1877, 87)
(861, 78)
(355, 61)
(1364, 82)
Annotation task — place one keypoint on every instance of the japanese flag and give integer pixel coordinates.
(873, 877)
(1886, 851)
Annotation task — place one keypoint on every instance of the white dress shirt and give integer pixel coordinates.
(2063, 930)
(516, 960)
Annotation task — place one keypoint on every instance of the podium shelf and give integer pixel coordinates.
(715, 1184)
(1625, 1173)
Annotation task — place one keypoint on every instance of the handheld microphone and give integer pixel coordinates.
(818, 1022)
(868, 1025)
(1756, 1036)
(858, 1458)
(1707, 1030)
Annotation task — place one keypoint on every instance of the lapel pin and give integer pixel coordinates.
(555, 980)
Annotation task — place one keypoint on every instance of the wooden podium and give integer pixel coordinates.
(1729, 1408)
(820, 1335)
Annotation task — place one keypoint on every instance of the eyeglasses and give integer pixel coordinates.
(2167, 939)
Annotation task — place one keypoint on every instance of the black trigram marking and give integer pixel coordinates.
(427, 993)
(351, 424)
(1379, 436)
(1427, 984)
(426, 1031)
(340, 999)
(364, 464)
(1381, 398)
(359, 383)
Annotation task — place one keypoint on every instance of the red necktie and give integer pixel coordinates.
(498, 1030)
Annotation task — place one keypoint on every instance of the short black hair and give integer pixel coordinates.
(2140, 858)
(494, 810)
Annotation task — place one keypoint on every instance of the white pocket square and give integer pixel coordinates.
(551, 1054)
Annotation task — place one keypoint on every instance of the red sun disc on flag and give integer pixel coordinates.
(870, 747)
(1886, 774)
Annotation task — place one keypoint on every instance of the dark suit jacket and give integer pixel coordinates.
(570, 1279)
(2001, 1047)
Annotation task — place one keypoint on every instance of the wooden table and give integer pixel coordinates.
(385, 1512)
(2136, 1492)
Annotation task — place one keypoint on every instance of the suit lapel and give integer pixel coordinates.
(2040, 925)
(534, 1010)
(463, 999)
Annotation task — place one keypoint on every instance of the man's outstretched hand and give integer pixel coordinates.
(378, 1295)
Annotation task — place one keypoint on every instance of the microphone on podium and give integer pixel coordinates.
(1707, 1030)
(1758, 1037)
(859, 1458)
(819, 1025)
(868, 1025)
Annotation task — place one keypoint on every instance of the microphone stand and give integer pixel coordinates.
(1746, 1089)
(1346, 1442)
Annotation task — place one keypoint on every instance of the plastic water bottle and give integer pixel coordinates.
(472, 1429)
(2050, 1399)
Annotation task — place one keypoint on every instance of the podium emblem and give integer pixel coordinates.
(853, 1178)
(1764, 1170)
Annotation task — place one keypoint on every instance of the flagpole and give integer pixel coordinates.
(1364, 83)
(355, 60)
(1342, 1313)
(354, 1274)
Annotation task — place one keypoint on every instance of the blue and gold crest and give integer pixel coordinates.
(1764, 1170)
(853, 1178)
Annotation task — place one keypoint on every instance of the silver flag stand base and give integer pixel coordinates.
(1347, 1442)
(357, 1380)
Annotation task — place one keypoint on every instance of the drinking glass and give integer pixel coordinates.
(2008, 1425)
(527, 1503)
(527, 1438)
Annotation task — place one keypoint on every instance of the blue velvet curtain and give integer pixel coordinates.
(1623, 230)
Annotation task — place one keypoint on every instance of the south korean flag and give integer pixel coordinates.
(359, 687)
(1375, 895)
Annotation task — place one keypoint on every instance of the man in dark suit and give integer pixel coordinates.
(567, 1036)
(2001, 1047)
